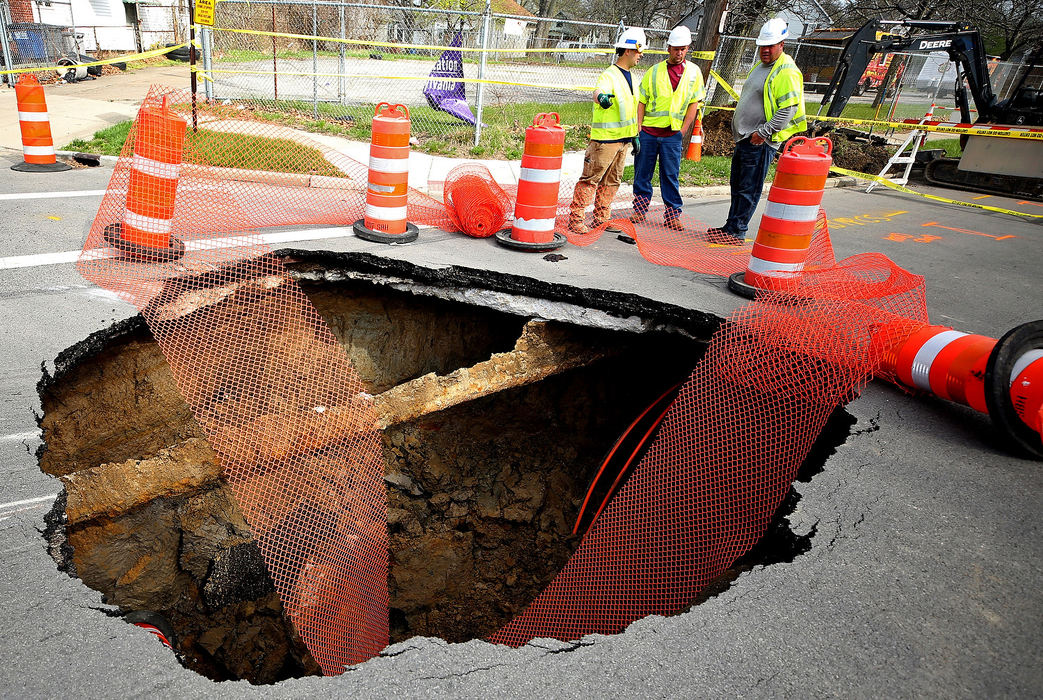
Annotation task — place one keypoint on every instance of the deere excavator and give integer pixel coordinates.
(1008, 166)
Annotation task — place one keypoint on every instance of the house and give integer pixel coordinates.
(46, 29)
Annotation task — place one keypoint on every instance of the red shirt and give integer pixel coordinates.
(674, 72)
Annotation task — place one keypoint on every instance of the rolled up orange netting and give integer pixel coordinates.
(477, 205)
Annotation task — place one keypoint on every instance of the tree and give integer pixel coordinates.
(1008, 27)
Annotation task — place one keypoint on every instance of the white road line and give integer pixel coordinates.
(29, 501)
(51, 195)
(18, 437)
(39, 260)
(71, 256)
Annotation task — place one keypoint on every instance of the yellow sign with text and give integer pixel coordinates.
(204, 12)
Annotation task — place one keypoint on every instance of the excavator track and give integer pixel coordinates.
(944, 172)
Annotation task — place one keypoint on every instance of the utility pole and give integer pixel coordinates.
(708, 35)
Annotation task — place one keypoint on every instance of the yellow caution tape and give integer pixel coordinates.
(103, 62)
(724, 84)
(972, 131)
(887, 183)
(969, 130)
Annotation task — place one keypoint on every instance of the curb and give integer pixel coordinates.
(709, 191)
(108, 160)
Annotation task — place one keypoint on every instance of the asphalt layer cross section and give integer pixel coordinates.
(923, 574)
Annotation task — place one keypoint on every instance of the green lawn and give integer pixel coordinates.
(226, 150)
(503, 137)
(711, 170)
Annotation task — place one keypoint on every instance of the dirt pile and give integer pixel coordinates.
(847, 153)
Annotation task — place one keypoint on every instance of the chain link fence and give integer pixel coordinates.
(471, 80)
(893, 87)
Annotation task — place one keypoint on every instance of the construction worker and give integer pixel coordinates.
(668, 104)
(770, 110)
(612, 130)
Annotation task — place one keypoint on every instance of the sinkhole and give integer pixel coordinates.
(483, 488)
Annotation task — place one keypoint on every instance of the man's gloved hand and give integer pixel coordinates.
(637, 145)
(605, 100)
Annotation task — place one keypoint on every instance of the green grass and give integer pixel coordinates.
(951, 146)
(438, 133)
(711, 170)
(224, 150)
(107, 142)
(904, 110)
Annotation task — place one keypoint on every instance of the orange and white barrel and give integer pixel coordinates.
(695, 146)
(387, 193)
(159, 144)
(947, 363)
(1002, 378)
(788, 223)
(536, 209)
(37, 144)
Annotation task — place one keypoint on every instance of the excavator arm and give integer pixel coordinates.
(961, 41)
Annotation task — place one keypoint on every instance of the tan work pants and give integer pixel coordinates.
(602, 173)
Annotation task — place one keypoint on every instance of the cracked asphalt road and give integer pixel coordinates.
(923, 574)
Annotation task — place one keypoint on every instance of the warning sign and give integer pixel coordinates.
(204, 12)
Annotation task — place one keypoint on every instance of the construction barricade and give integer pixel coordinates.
(695, 145)
(146, 230)
(37, 144)
(786, 228)
(1002, 378)
(536, 210)
(387, 194)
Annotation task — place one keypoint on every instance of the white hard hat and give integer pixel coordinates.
(773, 31)
(632, 38)
(679, 36)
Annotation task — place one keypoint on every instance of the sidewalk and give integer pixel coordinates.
(78, 110)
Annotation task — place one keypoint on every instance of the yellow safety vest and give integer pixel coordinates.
(664, 106)
(784, 87)
(619, 121)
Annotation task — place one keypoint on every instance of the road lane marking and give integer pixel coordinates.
(985, 196)
(968, 231)
(71, 256)
(18, 437)
(51, 195)
(28, 502)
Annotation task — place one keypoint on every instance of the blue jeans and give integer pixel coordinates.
(749, 168)
(668, 151)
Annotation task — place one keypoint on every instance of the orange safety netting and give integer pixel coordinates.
(287, 415)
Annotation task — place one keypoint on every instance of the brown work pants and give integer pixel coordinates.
(602, 173)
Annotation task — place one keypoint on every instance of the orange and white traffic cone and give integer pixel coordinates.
(387, 194)
(37, 145)
(1001, 378)
(784, 237)
(695, 146)
(536, 209)
(145, 232)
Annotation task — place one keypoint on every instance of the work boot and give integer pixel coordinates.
(674, 223)
(637, 217)
(609, 228)
(722, 237)
(580, 229)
